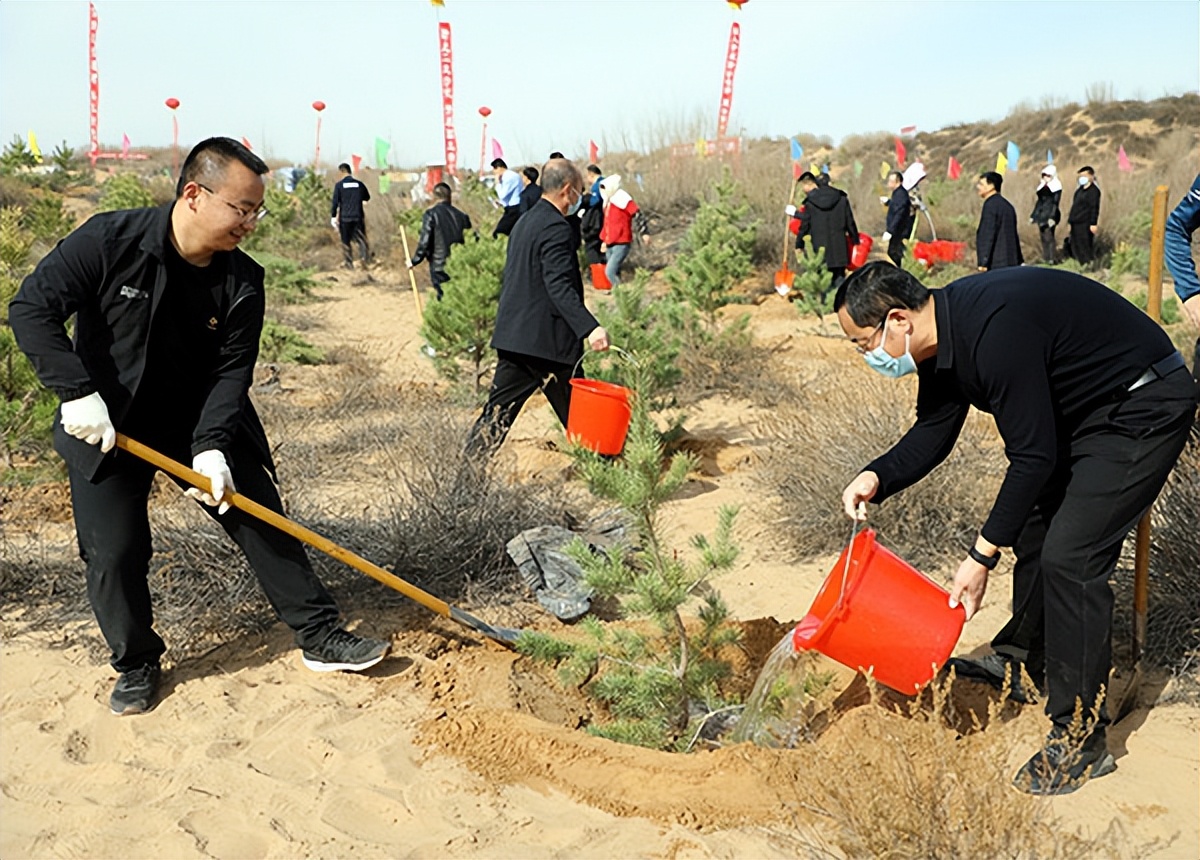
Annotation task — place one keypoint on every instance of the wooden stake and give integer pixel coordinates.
(411, 277)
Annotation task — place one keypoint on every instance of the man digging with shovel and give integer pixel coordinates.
(168, 313)
(1094, 405)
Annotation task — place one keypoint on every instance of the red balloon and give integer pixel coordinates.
(737, 4)
(485, 111)
(318, 106)
(172, 103)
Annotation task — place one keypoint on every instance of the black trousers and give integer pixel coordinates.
(1082, 243)
(1049, 247)
(1110, 471)
(517, 377)
(113, 531)
(437, 277)
(895, 249)
(507, 221)
(356, 232)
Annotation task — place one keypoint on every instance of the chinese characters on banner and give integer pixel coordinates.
(731, 59)
(446, 56)
(93, 85)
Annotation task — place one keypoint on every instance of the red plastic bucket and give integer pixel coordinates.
(859, 252)
(598, 418)
(600, 277)
(883, 615)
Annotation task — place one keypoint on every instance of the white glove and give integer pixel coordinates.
(598, 339)
(87, 419)
(790, 211)
(1050, 223)
(333, 222)
(886, 237)
(212, 465)
(885, 200)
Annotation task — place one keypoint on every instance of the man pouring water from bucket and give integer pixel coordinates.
(1094, 405)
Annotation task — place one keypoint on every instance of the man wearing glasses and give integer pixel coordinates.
(1093, 403)
(168, 313)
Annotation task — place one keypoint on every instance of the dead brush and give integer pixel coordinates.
(898, 783)
(843, 419)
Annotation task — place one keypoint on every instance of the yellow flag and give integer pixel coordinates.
(33, 147)
(701, 147)
(884, 170)
(438, 2)
(1001, 163)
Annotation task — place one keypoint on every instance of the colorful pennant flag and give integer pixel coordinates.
(1013, 156)
(858, 168)
(593, 152)
(884, 170)
(901, 153)
(385, 183)
(33, 147)
(797, 150)
(701, 147)
(124, 146)
(497, 149)
(246, 144)
(908, 129)
(355, 163)
(954, 169)
(814, 168)
(1001, 163)
(1123, 160)
(1049, 156)
(796, 170)
(381, 152)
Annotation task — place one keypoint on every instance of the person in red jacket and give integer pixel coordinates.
(622, 219)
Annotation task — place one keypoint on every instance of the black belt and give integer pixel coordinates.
(1158, 370)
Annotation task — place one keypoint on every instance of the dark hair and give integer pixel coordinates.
(1087, 168)
(992, 178)
(555, 154)
(878, 287)
(345, 168)
(558, 172)
(441, 191)
(206, 163)
(807, 176)
(531, 173)
(499, 162)
(899, 176)
(594, 168)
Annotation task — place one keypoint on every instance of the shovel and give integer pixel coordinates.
(785, 277)
(411, 277)
(503, 635)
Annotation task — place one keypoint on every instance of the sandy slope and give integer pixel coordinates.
(449, 748)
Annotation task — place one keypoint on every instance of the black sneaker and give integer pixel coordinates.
(1063, 766)
(344, 652)
(993, 669)
(134, 691)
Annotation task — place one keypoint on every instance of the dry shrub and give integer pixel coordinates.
(903, 785)
(845, 418)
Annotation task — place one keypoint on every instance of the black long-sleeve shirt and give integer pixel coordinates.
(1039, 349)
(349, 195)
(1085, 206)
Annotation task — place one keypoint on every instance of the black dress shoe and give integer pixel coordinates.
(135, 690)
(993, 669)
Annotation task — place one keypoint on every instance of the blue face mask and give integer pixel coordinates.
(575, 206)
(889, 365)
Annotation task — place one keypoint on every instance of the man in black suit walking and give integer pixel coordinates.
(996, 242)
(542, 321)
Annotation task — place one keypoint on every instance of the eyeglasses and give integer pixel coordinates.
(247, 216)
(862, 348)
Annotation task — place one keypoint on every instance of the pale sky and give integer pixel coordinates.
(557, 73)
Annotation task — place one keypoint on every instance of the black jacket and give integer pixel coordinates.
(1045, 209)
(826, 216)
(441, 226)
(349, 195)
(530, 194)
(541, 309)
(1085, 206)
(111, 274)
(1022, 345)
(899, 213)
(996, 242)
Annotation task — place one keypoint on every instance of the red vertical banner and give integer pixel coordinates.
(93, 85)
(731, 60)
(446, 58)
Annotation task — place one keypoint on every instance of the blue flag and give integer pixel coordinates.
(1049, 156)
(797, 150)
(1013, 155)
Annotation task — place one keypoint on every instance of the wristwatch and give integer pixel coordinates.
(988, 561)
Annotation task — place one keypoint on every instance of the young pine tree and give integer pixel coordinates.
(811, 290)
(658, 682)
(459, 328)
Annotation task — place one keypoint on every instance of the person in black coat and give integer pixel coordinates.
(531, 192)
(591, 218)
(825, 215)
(168, 312)
(542, 321)
(441, 226)
(996, 242)
(346, 214)
(900, 217)
(1046, 213)
(1084, 216)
